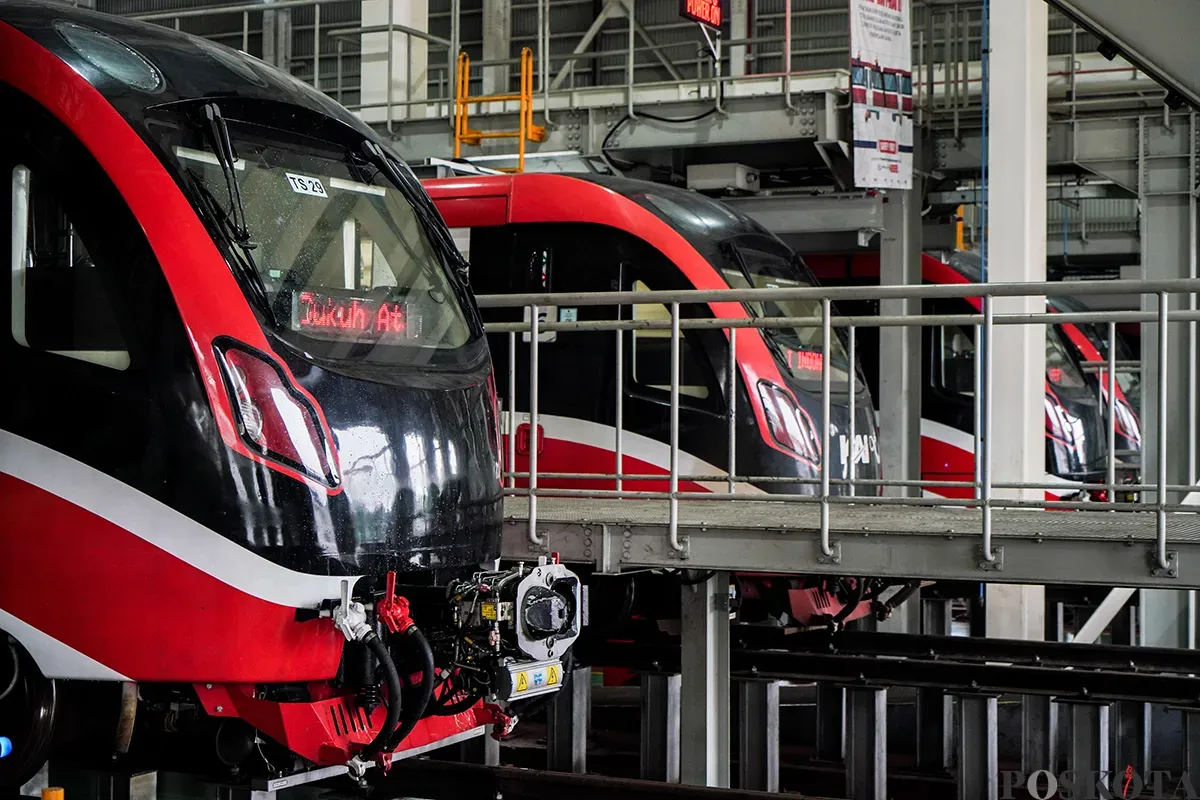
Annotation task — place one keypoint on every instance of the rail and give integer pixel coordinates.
(729, 311)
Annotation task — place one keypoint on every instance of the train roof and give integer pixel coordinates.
(138, 65)
(557, 197)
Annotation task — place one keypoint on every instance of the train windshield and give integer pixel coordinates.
(748, 257)
(330, 248)
(759, 262)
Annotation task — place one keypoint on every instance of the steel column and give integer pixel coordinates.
(866, 743)
(977, 754)
(704, 687)
(1038, 715)
(567, 719)
(830, 707)
(1016, 251)
(660, 727)
(900, 348)
(1191, 741)
(497, 44)
(758, 735)
(1088, 750)
(933, 717)
(480, 750)
(1129, 724)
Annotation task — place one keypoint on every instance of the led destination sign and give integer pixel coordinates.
(706, 12)
(351, 318)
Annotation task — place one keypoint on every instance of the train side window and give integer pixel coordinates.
(59, 302)
(652, 354)
(955, 360)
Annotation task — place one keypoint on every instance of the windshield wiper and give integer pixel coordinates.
(243, 261)
(433, 225)
(218, 133)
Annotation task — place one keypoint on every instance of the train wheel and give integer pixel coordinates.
(28, 706)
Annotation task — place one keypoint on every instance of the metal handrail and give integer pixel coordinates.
(728, 301)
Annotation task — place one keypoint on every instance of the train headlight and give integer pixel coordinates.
(790, 426)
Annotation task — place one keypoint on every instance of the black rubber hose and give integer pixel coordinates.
(393, 707)
(414, 711)
(860, 588)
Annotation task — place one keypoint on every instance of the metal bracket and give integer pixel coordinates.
(996, 564)
(605, 563)
(1172, 570)
(834, 557)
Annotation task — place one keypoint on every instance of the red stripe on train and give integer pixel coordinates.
(139, 610)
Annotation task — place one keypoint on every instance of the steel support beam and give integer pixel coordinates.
(1129, 723)
(1149, 41)
(395, 66)
(1014, 439)
(704, 698)
(977, 753)
(830, 715)
(934, 718)
(1088, 750)
(567, 722)
(660, 727)
(739, 28)
(1105, 613)
(866, 743)
(900, 348)
(1038, 733)
(497, 44)
(758, 735)
(1191, 741)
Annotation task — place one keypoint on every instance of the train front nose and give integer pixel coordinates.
(420, 479)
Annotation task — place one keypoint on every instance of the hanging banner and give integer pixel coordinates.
(881, 93)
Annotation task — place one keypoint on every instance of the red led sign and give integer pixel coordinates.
(348, 317)
(804, 360)
(706, 12)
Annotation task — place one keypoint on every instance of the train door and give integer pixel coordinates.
(576, 378)
(647, 384)
(948, 398)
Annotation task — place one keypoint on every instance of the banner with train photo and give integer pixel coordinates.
(881, 93)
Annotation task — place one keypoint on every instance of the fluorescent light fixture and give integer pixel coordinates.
(206, 157)
(355, 186)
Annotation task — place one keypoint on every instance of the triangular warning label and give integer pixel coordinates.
(522, 681)
(552, 676)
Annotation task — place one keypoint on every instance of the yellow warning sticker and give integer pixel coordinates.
(552, 676)
(522, 681)
(488, 611)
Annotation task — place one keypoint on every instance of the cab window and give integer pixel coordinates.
(955, 360)
(59, 302)
(652, 354)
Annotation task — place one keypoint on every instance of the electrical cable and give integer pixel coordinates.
(655, 117)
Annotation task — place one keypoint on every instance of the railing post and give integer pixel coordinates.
(673, 524)
(977, 411)
(851, 388)
(317, 46)
(826, 334)
(512, 409)
(533, 424)
(1161, 435)
(1111, 475)
(732, 381)
(619, 400)
(988, 361)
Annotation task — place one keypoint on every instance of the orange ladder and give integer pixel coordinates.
(527, 131)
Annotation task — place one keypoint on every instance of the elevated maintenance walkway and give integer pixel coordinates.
(1110, 548)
